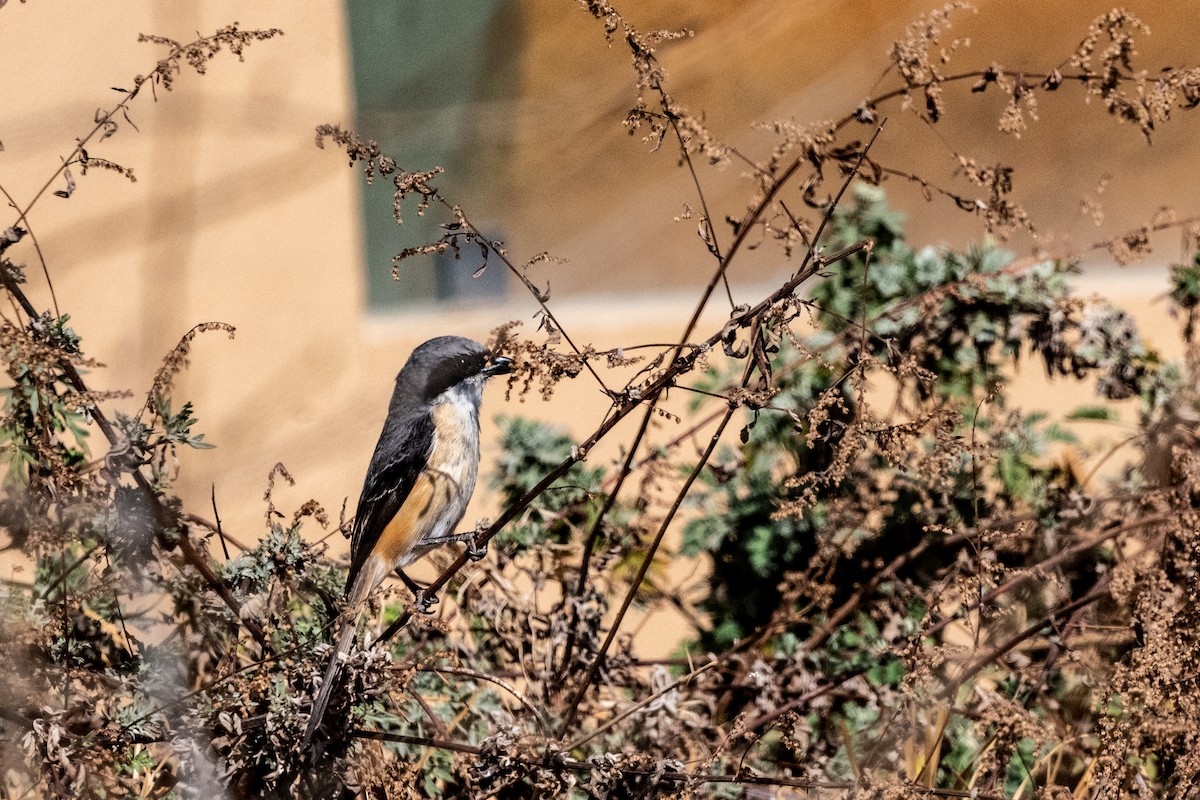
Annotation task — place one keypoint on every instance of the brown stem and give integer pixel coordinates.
(37, 247)
(636, 584)
(708, 223)
(580, 742)
(433, 718)
(1082, 77)
(79, 147)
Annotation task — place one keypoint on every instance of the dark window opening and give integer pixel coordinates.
(434, 85)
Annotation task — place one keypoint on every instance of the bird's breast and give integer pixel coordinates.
(454, 459)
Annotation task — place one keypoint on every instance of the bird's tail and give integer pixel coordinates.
(362, 587)
(321, 702)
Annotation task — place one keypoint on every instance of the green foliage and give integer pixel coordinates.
(41, 402)
(860, 647)
(1185, 292)
(177, 426)
(155, 443)
(529, 450)
(961, 314)
(1093, 413)
(948, 325)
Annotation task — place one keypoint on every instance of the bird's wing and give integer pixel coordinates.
(401, 455)
(399, 458)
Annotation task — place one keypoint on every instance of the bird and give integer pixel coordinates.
(418, 483)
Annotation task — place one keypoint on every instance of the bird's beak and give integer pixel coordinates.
(500, 365)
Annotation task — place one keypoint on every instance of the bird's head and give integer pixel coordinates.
(445, 362)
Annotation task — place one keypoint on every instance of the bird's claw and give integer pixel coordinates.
(426, 601)
(476, 550)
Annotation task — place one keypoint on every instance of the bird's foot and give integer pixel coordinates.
(426, 600)
(476, 550)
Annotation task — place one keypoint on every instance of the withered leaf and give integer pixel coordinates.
(744, 434)
(810, 197)
(735, 349)
(875, 177)
(736, 320)
(932, 106)
(70, 185)
(762, 361)
(847, 150)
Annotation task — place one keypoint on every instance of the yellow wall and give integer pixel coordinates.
(237, 217)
